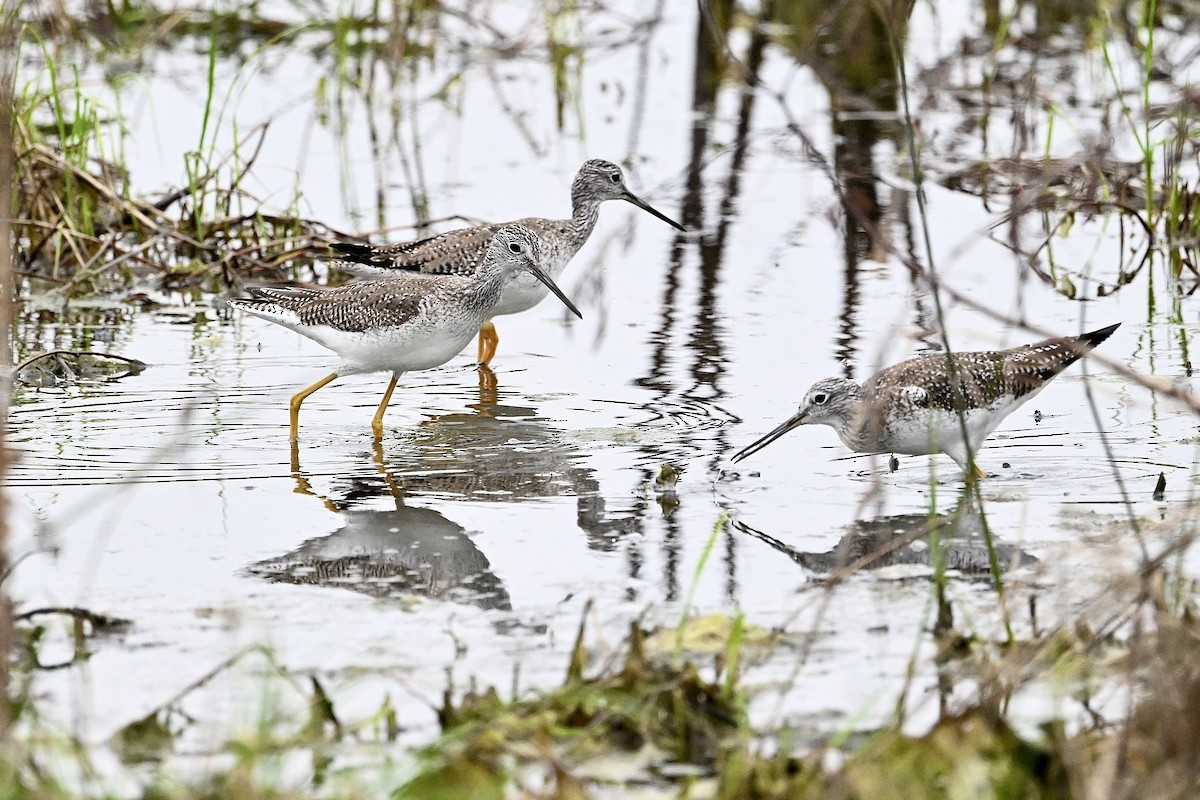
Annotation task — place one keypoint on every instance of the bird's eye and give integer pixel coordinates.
(615, 177)
(820, 398)
(516, 248)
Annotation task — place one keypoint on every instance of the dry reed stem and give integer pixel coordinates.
(8, 22)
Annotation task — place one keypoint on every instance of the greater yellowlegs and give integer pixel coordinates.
(460, 252)
(411, 322)
(914, 407)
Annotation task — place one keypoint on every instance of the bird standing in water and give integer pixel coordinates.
(460, 252)
(410, 322)
(920, 406)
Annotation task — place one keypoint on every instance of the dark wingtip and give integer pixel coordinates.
(1097, 336)
(254, 300)
(352, 249)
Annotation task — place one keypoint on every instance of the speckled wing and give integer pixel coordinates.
(925, 382)
(979, 378)
(458, 252)
(352, 308)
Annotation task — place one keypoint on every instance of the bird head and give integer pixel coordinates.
(599, 180)
(831, 401)
(515, 247)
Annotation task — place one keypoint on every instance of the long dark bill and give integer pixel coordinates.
(546, 279)
(795, 422)
(642, 204)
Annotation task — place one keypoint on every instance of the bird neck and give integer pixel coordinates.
(864, 425)
(489, 279)
(858, 434)
(860, 423)
(585, 210)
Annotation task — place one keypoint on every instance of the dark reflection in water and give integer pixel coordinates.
(849, 47)
(39, 329)
(505, 453)
(408, 551)
(497, 453)
(904, 539)
(705, 336)
(405, 551)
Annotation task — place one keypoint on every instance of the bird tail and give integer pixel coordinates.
(1090, 340)
(1072, 348)
(1043, 360)
(279, 294)
(276, 303)
(353, 251)
(376, 261)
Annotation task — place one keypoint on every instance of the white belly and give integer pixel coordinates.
(397, 349)
(936, 430)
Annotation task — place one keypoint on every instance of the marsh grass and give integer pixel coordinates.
(491, 747)
(83, 227)
(79, 226)
(1145, 203)
(1144, 632)
(686, 726)
(1155, 194)
(719, 527)
(564, 28)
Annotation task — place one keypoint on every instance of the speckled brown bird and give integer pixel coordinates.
(913, 407)
(460, 252)
(412, 322)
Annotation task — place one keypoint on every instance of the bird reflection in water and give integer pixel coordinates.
(495, 453)
(502, 452)
(406, 551)
(903, 539)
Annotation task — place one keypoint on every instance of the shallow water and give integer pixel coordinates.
(496, 506)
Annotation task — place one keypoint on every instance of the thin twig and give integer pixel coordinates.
(133, 362)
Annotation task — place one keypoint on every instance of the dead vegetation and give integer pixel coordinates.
(80, 227)
(1145, 643)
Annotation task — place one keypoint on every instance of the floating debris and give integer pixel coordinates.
(664, 489)
(668, 476)
(67, 367)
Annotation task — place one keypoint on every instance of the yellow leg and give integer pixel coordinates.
(488, 339)
(298, 398)
(377, 420)
(975, 473)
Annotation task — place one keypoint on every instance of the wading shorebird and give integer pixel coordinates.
(460, 252)
(919, 406)
(411, 322)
